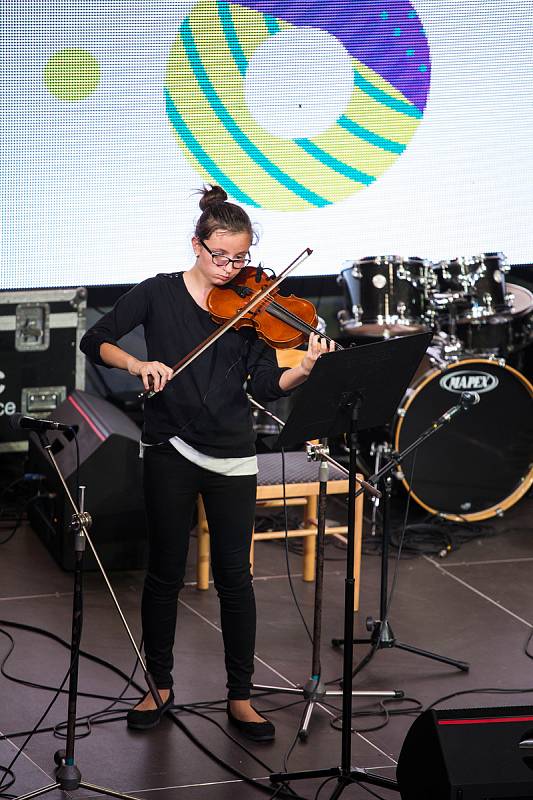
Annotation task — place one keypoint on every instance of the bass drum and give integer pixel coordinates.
(480, 463)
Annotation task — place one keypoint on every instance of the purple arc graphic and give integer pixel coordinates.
(386, 36)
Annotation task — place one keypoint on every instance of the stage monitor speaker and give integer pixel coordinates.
(111, 470)
(468, 754)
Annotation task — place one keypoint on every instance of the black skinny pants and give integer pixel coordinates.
(171, 487)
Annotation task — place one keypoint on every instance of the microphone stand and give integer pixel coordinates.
(381, 633)
(68, 775)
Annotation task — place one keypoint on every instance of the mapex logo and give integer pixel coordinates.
(469, 381)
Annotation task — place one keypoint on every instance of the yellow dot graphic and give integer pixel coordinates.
(72, 74)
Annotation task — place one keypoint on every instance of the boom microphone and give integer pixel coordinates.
(466, 401)
(21, 422)
(469, 399)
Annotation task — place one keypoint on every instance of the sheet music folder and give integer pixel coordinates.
(378, 373)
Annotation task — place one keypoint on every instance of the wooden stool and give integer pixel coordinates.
(301, 489)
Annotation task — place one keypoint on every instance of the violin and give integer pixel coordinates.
(281, 321)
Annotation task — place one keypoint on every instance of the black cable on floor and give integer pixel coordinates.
(286, 793)
(380, 709)
(81, 720)
(478, 691)
(9, 769)
(102, 662)
(323, 784)
(432, 535)
(528, 642)
(295, 599)
(440, 536)
(292, 745)
(370, 791)
(93, 718)
(63, 643)
(214, 705)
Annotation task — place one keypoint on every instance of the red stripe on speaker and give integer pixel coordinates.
(483, 720)
(87, 419)
(83, 400)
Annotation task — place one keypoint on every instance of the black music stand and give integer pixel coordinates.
(347, 391)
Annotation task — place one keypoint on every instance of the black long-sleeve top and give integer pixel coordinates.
(206, 404)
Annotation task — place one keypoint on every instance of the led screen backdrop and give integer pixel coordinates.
(354, 127)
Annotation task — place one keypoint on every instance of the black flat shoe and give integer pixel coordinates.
(144, 720)
(255, 731)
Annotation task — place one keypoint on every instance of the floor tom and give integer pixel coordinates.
(498, 334)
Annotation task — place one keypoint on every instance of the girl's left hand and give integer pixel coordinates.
(316, 347)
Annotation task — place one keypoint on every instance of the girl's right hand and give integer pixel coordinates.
(158, 372)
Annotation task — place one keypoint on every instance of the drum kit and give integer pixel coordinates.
(482, 464)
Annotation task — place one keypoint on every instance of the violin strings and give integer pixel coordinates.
(304, 325)
(284, 314)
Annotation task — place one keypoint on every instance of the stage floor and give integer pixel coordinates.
(475, 605)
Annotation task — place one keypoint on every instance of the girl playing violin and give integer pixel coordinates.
(198, 438)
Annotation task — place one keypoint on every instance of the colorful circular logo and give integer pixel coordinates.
(212, 83)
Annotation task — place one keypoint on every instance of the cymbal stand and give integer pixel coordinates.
(68, 775)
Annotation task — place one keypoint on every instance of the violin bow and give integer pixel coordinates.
(256, 299)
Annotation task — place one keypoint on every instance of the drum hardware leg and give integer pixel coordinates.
(377, 450)
(382, 636)
(453, 322)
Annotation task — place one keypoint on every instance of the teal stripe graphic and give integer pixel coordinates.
(310, 148)
(233, 129)
(334, 163)
(272, 24)
(198, 152)
(385, 99)
(369, 136)
(232, 39)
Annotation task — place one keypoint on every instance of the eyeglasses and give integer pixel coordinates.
(223, 261)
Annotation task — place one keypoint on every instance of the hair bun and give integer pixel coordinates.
(214, 194)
